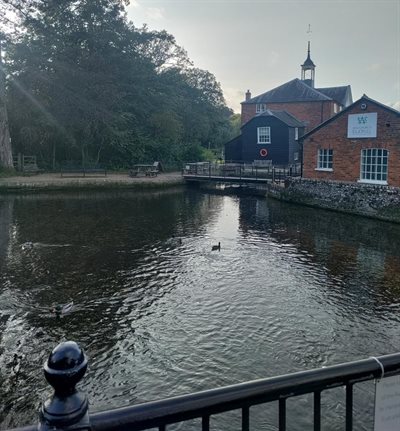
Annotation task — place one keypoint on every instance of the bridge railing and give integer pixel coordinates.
(67, 409)
(241, 171)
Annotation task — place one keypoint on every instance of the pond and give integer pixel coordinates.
(292, 288)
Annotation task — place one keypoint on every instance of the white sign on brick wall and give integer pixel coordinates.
(362, 125)
(387, 404)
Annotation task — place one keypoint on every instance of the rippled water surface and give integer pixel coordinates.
(292, 288)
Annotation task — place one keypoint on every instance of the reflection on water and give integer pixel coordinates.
(292, 288)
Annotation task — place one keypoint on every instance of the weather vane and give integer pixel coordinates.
(309, 28)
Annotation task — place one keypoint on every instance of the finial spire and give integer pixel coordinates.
(308, 68)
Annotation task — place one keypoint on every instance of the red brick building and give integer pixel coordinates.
(312, 106)
(359, 144)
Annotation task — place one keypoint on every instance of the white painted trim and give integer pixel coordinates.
(324, 169)
(266, 135)
(382, 183)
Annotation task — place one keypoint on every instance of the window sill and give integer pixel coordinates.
(380, 183)
(263, 143)
(324, 169)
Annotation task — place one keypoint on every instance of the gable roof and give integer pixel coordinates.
(283, 116)
(364, 97)
(341, 94)
(292, 91)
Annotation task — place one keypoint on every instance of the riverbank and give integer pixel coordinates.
(54, 182)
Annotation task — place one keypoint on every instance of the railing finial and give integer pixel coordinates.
(67, 408)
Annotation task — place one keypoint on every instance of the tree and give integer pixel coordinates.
(6, 159)
(84, 83)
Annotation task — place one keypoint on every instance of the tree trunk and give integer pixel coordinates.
(83, 156)
(6, 160)
(54, 156)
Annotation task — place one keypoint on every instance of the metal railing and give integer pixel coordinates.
(240, 171)
(67, 409)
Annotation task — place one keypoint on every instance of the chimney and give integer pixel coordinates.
(248, 95)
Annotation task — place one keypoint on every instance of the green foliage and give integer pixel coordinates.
(7, 172)
(235, 123)
(85, 85)
(208, 155)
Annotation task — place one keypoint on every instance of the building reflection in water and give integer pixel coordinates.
(360, 254)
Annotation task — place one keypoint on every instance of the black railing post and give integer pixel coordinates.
(317, 411)
(67, 408)
(349, 407)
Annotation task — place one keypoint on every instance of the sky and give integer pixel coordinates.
(260, 44)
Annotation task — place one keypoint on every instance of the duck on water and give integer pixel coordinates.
(216, 247)
(59, 309)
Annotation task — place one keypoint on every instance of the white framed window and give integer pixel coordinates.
(263, 135)
(296, 133)
(325, 159)
(261, 107)
(296, 157)
(335, 108)
(374, 166)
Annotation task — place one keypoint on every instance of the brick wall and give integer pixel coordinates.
(347, 152)
(312, 113)
(248, 112)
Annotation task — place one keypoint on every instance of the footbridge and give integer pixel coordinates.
(239, 173)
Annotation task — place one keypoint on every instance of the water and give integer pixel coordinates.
(292, 288)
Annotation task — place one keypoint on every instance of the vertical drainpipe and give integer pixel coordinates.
(322, 112)
(301, 156)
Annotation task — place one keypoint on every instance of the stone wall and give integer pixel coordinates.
(379, 202)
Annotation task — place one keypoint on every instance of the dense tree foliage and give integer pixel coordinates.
(85, 85)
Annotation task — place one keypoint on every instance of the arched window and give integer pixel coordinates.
(374, 165)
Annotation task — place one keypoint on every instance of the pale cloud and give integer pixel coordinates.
(233, 97)
(141, 13)
(273, 58)
(154, 13)
(374, 67)
(134, 3)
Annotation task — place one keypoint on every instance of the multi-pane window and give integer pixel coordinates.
(296, 133)
(374, 165)
(325, 157)
(261, 107)
(263, 135)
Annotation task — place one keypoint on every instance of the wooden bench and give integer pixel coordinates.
(146, 170)
(138, 170)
